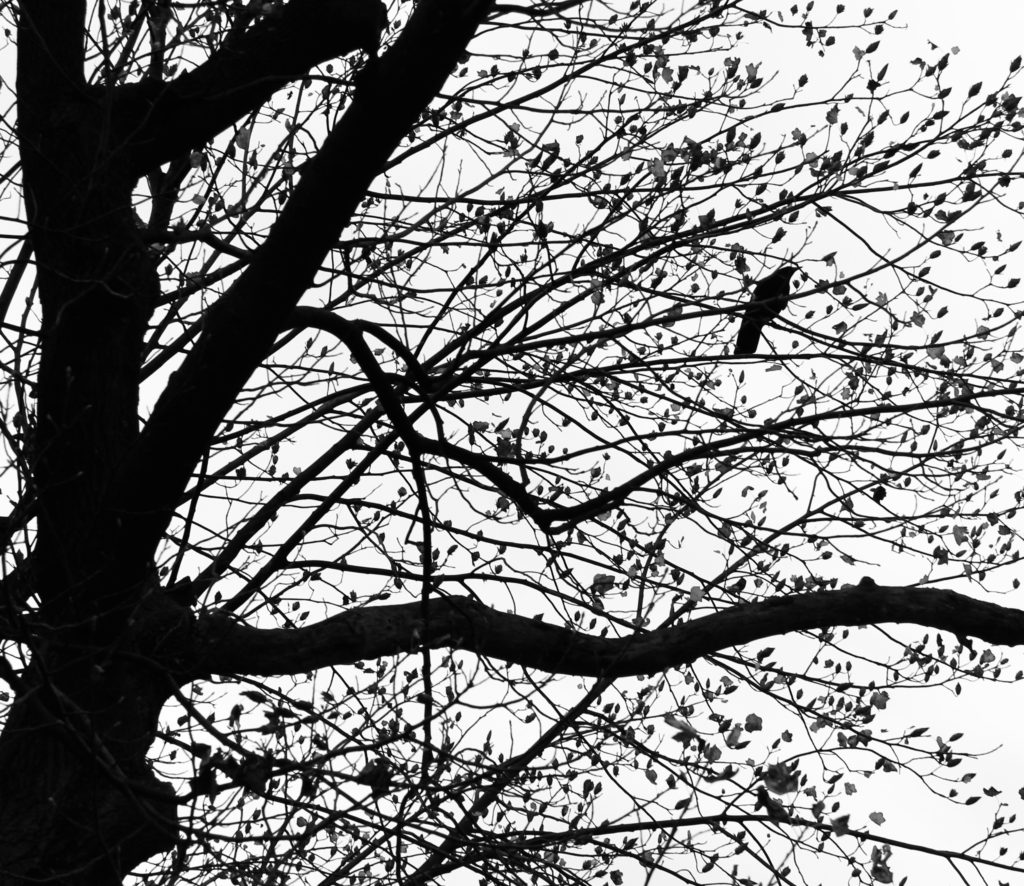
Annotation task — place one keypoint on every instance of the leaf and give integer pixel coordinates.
(779, 779)
(656, 167)
(686, 732)
(841, 825)
(880, 864)
(877, 818)
(732, 740)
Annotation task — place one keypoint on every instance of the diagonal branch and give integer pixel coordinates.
(225, 646)
(240, 328)
(163, 120)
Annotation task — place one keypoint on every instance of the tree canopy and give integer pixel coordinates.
(386, 501)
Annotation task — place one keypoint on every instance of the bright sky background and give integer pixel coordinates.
(988, 32)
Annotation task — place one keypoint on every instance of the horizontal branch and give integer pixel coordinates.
(225, 646)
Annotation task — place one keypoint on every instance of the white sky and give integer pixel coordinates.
(988, 35)
(988, 32)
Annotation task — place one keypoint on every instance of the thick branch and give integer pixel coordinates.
(240, 329)
(162, 120)
(227, 646)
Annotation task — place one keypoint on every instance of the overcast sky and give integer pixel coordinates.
(988, 32)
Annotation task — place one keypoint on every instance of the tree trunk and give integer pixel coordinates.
(80, 803)
(66, 816)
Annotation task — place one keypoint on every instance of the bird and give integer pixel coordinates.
(770, 297)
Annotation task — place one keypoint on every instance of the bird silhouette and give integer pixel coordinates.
(770, 297)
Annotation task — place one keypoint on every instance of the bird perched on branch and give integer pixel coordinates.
(770, 296)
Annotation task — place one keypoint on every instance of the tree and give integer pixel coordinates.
(385, 499)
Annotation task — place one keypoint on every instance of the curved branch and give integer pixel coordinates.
(163, 120)
(226, 646)
(240, 328)
(568, 517)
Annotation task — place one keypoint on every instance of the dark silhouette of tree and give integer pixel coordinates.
(382, 507)
(767, 302)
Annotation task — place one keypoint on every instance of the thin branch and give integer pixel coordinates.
(240, 328)
(164, 120)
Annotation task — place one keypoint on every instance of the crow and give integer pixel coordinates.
(770, 297)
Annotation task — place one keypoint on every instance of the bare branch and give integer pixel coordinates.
(241, 327)
(162, 120)
(227, 646)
